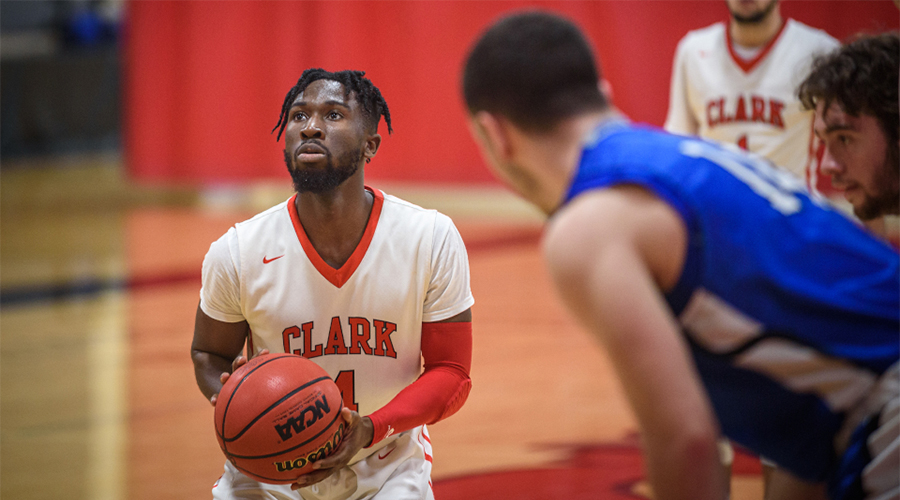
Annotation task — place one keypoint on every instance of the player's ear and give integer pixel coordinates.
(492, 132)
(372, 144)
(605, 89)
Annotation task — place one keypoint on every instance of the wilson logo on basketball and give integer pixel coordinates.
(307, 417)
(322, 452)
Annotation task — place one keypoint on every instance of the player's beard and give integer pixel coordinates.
(756, 17)
(887, 200)
(315, 180)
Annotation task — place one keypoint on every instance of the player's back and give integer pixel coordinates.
(791, 310)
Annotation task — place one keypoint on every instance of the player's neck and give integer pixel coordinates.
(557, 156)
(335, 221)
(756, 34)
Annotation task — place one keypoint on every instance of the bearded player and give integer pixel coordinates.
(366, 285)
(736, 83)
(853, 91)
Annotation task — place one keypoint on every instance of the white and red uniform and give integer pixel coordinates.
(719, 95)
(362, 323)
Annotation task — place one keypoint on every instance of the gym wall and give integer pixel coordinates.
(204, 81)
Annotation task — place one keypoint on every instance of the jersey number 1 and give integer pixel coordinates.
(346, 382)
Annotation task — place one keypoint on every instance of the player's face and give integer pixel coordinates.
(505, 169)
(325, 137)
(859, 161)
(750, 11)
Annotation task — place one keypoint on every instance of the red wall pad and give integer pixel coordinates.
(204, 81)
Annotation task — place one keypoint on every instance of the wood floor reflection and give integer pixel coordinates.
(100, 282)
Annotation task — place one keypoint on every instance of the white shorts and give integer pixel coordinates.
(399, 470)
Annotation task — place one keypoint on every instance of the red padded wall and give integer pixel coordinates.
(204, 81)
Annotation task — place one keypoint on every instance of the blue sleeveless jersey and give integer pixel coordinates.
(791, 310)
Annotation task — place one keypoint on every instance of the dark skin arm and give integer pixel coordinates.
(214, 350)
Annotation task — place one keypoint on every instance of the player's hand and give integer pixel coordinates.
(238, 362)
(357, 436)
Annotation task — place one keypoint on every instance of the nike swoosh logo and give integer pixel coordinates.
(266, 261)
(382, 457)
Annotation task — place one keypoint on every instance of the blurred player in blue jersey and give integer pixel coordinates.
(728, 299)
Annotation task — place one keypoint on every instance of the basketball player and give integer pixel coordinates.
(736, 83)
(729, 300)
(360, 282)
(853, 91)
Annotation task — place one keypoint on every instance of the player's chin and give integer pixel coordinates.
(854, 196)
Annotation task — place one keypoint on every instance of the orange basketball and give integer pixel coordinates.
(276, 415)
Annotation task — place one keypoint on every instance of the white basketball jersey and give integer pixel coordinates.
(362, 323)
(749, 103)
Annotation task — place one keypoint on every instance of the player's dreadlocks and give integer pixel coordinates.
(367, 95)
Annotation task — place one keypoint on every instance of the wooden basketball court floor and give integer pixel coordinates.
(100, 281)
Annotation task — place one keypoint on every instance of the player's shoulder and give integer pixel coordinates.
(704, 37)
(575, 235)
(264, 216)
(406, 213)
(239, 231)
(269, 225)
(407, 206)
(809, 36)
(408, 209)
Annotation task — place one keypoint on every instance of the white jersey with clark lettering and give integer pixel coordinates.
(752, 103)
(362, 323)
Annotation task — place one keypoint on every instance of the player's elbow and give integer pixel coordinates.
(459, 398)
(700, 446)
(204, 361)
(199, 357)
(693, 441)
(456, 399)
(686, 467)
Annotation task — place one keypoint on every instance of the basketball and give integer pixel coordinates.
(276, 415)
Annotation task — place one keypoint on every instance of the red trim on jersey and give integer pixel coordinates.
(338, 277)
(820, 184)
(442, 388)
(427, 456)
(812, 166)
(747, 66)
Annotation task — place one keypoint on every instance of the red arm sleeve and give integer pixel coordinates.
(442, 388)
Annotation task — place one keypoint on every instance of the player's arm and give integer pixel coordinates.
(218, 341)
(215, 346)
(439, 392)
(609, 253)
(679, 118)
(443, 386)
